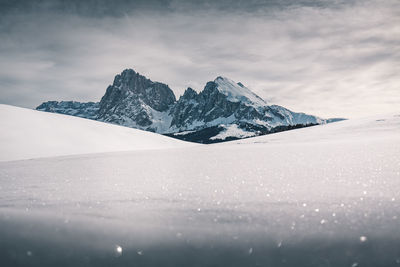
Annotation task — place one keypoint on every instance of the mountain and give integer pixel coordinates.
(137, 102)
(31, 134)
(87, 110)
(222, 111)
(226, 110)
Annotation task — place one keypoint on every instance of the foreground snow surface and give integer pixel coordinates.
(29, 134)
(320, 196)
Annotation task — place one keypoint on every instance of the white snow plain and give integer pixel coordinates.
(326, 195)
(29, 134)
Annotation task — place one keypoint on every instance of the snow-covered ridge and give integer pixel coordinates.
(237, 92)
(31, 134)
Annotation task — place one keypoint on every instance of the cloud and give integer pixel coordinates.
(322, 57)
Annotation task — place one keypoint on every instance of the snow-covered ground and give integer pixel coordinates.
(326, 195)
(232, 131)
(29, 134)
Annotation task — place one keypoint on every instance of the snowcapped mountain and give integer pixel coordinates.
(223, 111)
(226, 110)
(137, 102)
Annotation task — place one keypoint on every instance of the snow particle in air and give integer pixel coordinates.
(363, 239)
(29, 253)
(250, 250)
(117, 251)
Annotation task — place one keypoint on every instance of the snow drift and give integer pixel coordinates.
(321, 196)
(31, 134)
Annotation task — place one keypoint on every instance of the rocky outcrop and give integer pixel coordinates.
(133, 100)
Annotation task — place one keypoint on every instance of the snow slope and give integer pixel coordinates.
(321, 196)
(364, 129)
(237, 92)
(31, 134)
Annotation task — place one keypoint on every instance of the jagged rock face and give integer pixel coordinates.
(224, 110)
(225, 102)
(132, 98)
(205, 107)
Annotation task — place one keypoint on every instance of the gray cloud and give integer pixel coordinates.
(330, 58)
(116, 8)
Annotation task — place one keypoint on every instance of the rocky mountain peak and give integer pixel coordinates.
(130, 85)
(189, 93)
(220, 78)
(157, 95)
(210, 88)
(237, 92)
(135, 101)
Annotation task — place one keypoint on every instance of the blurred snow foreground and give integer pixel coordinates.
(326, 195)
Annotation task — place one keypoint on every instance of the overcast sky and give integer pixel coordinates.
(327, 58)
